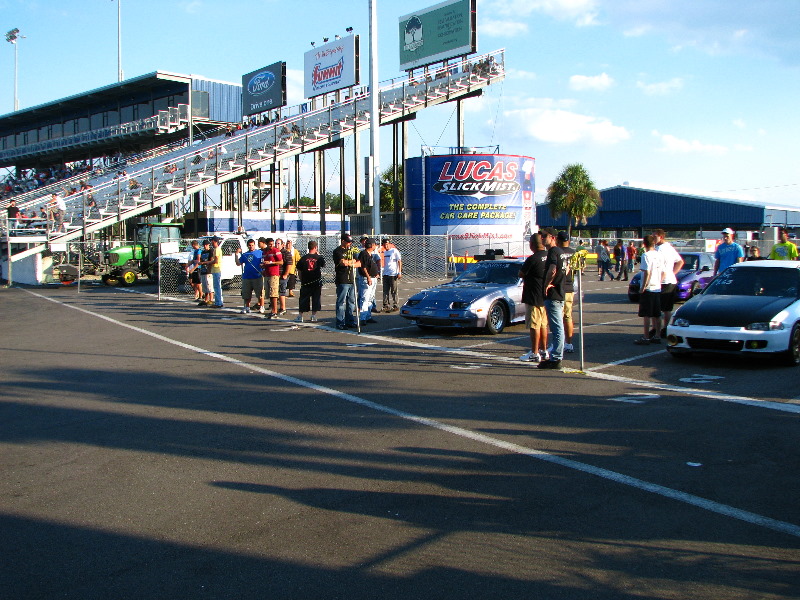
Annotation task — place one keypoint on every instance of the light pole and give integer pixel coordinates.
(120, 75)
(374, 118)
(12, 37)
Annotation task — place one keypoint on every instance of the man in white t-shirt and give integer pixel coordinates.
(392, 271)
(673, 263)
(650, 292)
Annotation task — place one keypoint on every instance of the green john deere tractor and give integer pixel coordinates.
(125, 264)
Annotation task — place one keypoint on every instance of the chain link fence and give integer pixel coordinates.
(425, 258)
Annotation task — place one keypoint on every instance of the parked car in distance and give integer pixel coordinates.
(750, 308)
(694, 276)
(488, 294)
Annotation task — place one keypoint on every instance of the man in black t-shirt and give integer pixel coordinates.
(532, 273)
(367, 279)
(558, 268)
(309, 269)
(344, 259)
(569, 291)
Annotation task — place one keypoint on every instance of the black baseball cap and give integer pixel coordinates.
(346, 237)
(562, 236)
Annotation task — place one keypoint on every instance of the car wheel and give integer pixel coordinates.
(128, 277)
(792, 356)
(496, 318)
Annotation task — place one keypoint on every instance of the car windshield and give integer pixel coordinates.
(690, 262)
(490, 272)
(779, 283)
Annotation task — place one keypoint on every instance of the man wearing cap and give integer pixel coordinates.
(271, 261)
(558, 267)
(392, 271)
(727, 253)
(344, 261)
(215, 268)
(206, 256)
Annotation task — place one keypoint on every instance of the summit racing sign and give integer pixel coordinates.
(331, 67)
(478, 178)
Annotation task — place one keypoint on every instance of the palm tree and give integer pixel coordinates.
(573, 192)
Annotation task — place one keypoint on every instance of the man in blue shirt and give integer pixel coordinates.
(252, 280)
(728, 252)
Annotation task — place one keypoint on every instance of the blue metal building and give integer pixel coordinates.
(641, 210)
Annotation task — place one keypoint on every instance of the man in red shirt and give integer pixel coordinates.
(271, 261)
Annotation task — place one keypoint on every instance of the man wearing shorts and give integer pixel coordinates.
(193, 271)
(650, 292)
(271, 261)
(206, 257)
(532, 274)
(569, 292)
(673, 263)
(252, 282)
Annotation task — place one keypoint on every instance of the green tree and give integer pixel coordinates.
(573, 193)
(387, 189)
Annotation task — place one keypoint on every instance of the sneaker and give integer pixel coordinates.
(550, 364)
(544, 356)
(395, 308)
(530, 356)
(655, 340)
(245, 310)
(261, 309)
(281, 312)
(272, 316)
(299, 319)
(643, 341)
(569, 348)
(313, 319)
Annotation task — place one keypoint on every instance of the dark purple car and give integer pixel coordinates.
(697, 272)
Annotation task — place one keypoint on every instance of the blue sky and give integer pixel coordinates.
(699, 96)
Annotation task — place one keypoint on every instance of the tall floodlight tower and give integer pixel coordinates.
(374, 118)
(12, 37)
(120, 75)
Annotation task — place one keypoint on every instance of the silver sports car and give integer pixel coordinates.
(487, 294)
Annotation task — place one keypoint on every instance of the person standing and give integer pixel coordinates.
(367, 282)
(569, 289)
(291, 282)
(271, 261)
(13, 214)
(193, 271)
(252, 281)
(392, 271)
(784, 250)
(284, 277)
(650, 292)
(215, 268)
(206, 257)
(630, 253)
(673, 263)
(603, 260)
(532, 273)
(344, 259)
(309, 268)
(557, 269)
(727, 253)
(619, 255)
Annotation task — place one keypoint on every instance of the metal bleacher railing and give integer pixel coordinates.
(183, 171)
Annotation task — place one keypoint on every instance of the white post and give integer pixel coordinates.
(374, 117)
(119, 39)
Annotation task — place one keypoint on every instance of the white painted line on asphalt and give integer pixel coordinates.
(622, 361)
(612, 322)
(639, 484)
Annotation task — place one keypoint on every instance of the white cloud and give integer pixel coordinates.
(597, 83)
(674, 145)
(503, 29)
(739, 124)
(661, 88)
(582, 12)
(192, 7)
(562, 127)
(512, 73)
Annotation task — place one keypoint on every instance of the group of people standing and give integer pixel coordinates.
(547, 292)
(623, 257)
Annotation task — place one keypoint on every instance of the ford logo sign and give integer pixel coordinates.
(261, 83)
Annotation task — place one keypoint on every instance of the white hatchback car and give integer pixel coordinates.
(751, 307)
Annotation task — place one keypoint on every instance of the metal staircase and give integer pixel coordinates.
(188, 170)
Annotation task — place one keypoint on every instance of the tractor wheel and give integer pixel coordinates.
(128, 277)
(111, 280)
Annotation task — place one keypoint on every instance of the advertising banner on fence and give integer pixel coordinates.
(480, 199)
(331, 67)
(434, 34)
(264, 89)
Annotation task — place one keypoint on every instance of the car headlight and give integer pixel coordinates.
(412, 302)
(460, 305)
(771, 326)
(681, 322)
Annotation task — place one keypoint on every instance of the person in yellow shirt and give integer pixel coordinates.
(215, 268)
(784, 250)
(291, 282)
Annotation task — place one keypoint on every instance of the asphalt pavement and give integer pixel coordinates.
(159, 450)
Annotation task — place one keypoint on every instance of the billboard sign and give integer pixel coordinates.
(437, 33)
(479, 198)
(264, 89)
(331, 67)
